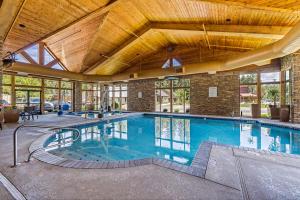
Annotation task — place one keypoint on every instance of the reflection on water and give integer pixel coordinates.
(166, 137)
(267, 138)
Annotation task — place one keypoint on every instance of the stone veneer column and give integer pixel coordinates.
(77, 96)
(147, 102)
(227, 103)
(293, 62)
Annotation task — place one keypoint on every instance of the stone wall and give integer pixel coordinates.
(77, 96)
(147, 102)
(226, 104)
(293, 62)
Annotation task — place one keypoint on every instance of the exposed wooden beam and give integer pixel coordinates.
(8, 12)
(53, 62)
(53, 55)
(97, 12)
(206, 36)
(122, 46)
(48, 72)
(133, 34)
(41, 53)
(249, 5)
(28, 57)
(270, 32)
(230, 47)
(15, 18)
(95, 36)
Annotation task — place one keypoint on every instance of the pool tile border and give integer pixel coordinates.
(197, 168)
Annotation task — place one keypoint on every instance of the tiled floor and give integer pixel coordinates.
(231, 174)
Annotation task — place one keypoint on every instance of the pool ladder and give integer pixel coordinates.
(15, 135)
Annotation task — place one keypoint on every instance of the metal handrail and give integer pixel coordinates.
(35, 126)
(55, 145)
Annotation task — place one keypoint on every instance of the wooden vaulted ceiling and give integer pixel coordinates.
(107, 37)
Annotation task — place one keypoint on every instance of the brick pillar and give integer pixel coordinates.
(77, 97)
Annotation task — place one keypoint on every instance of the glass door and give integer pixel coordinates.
(22, 99)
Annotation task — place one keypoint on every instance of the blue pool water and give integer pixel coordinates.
(169, 137)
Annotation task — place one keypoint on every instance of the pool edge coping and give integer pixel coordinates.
(197, 168)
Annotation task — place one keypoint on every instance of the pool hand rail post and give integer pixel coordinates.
(15, 139)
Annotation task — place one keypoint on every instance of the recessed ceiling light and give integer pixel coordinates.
(22, 25)
(228, 20)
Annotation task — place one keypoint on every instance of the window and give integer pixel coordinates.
(172, 62)
(248, 92)
(118, 96)
(52, 93)
(66, 94)
(6, 90)
(270, 91)
(172, 96)
(90, 96)
(33, 52)
(21, 59)
(48, 57)
(57, 67)
(287, 87)
(32, 55)
(28, 81)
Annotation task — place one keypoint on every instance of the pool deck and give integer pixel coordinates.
(231, 173)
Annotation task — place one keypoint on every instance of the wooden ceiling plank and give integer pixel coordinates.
(15, 19)
(244, 31)
(90, 45)
(97, 12)
(250, 5)
(139, 33)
